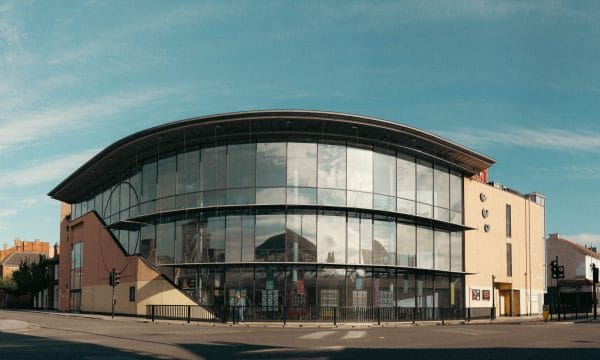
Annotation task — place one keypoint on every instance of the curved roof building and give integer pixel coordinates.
(282, 207)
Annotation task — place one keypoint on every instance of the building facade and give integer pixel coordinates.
(283, 208)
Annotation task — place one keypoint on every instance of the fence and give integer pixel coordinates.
(570, 312)
(308, 314)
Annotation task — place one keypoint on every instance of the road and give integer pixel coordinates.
(30, 335)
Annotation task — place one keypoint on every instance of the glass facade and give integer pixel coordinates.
(293, 222)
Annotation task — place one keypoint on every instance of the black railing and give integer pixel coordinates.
(312, 314)
(570, 312)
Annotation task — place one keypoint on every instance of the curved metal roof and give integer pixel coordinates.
(263, 124)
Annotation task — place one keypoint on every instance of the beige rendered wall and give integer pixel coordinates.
(485, 253)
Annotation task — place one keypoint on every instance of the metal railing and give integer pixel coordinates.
(570, 312)
(312, 314)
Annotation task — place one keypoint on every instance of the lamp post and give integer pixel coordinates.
(493, 299)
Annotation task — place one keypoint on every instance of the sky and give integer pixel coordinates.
(518, 81)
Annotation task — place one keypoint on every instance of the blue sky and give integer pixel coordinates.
(516, 80)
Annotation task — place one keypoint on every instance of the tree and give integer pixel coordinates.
(31, 278)
(8, 285)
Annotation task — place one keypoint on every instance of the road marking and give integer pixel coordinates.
(354, 335)
(317, 335)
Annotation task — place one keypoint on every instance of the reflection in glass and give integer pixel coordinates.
(148, 189)
(270, 237)
(270, 195)
(301, 233)
(302, 196)
(406, 245)
(441, 187)
(240, 165)
(270, 164)
(366, 240)
(383, 202)
(384, 242)
(406, 179)
(442, 250)
(456, 251)
(424, 248)
(213, 239)
(424, 182)
(360, 200)
(360, 170)
(384, 181)
(213, 165)
(233, 238)
(188, 172)
(332, 197)
(353, 238)
(248, 237)
(165, 242)
(405, 206)
(331, 239)
(332, 166)
(167, 182)
(240, 196)
(302, 164)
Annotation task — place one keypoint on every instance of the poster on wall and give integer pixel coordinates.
(475, 294)
(485, 294)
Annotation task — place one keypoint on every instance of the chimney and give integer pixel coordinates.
(554, 236)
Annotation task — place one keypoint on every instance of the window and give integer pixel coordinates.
(331, 239)
(302, 165)
(508, 259)
(76, 265)
(508, 221)
(332, 166)
(131, 293)
(406, 245)
(360, 170)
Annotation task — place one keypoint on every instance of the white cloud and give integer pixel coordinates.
(584, 239)
(11, 29)
(544, 138)
(8, 212)
(43, 172)
(26, 128)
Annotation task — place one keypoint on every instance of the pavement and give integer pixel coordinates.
(6, 324)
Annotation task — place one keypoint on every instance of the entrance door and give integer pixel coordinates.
(516, 303)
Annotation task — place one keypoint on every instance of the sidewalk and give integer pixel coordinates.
(500, 320)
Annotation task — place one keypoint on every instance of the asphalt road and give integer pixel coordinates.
(28, 335)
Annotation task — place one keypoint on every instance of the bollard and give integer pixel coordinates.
(189, 314)
(152, 312)
(334, 316)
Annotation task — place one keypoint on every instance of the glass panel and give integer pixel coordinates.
(360, 170)
(425, 210)
(188, 237)
(353, 240)
(442, 291)
(270, 238)
(384, 286)
(456, 251)
(148, 187)
(331, 239)
(332, 166)
(270, 164)
(384, 179)
(301, 231)
(456, 189)
(424, 182)
(358, 285)
(240, 196)
(384, 242)
(213, 239)
(302, 164)
(441, 214)
(424, 248)
(302, 289)
(405, 206)
(248, 237)
(456, 217)
(165, 240)
(114, 201)
(332, 197)
(456, 292)
(213, 168)
(148, 243)
(385, 203)
(406, 245)
(442, 250)
(188, 169)
(270, 195)
(331, 287)
(366, 240)
(233, 239)
(135, 192)
(406, 289)
(167, 182)
(441, 187)
(360, 200)
(240, 165)
(406, 179)
(213, 198)
(302, 196)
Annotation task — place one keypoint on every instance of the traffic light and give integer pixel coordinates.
(560, 272)
(116, 277)
(554, 269)
(594, 274)
(111, 278)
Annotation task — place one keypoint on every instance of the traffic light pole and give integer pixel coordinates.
(113, 302)
(594, 282)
